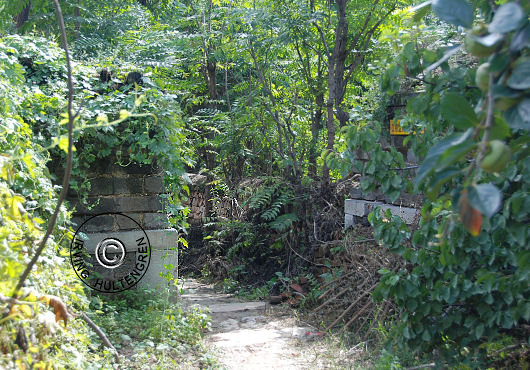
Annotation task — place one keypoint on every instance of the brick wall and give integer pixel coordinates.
(134, 190)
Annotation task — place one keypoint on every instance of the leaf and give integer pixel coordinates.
(470, 217)
(441, 178)
(456, 12)
(520, 40)
(437, 150)
(62, 142)
(457, 110)
(498, 63)
(520, 77)
(420, 11)
(124, 114)
(59, 308)
(449, 52)
(297, 288)
(479, 330)
(500, 129)
(501, 91)
(490, 40)
(102, 119)
(518, 117)
(24, 309)
(485, 198)
(507, 18)
(523, 108)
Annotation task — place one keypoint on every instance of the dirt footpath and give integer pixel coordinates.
(256, 335)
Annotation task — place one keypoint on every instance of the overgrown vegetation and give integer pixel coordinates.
(283, 106)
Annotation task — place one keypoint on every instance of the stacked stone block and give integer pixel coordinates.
(136, 191)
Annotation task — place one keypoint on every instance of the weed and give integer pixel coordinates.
(150, 331)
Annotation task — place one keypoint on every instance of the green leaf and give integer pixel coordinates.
(499, 63)
(420, 11)
(490, 40)
(520, 40)
(501, 91)
(437, 150)
(393, 280)
(457, 111)
(518, 117)
(520, 77)
(62, 142)
(500, 129)
(485, 198)
(406, 332)
(479, 330)
(441, 178)
(507, 18)
(456, 12)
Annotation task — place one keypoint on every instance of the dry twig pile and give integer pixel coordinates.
(346, 297)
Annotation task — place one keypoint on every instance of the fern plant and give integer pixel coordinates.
(271, 200)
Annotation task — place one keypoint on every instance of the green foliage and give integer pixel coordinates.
(148, 315)
(32, 99)
(27, 198)
(381, 168)
(256, 243)
(467, 263)
(237, 90)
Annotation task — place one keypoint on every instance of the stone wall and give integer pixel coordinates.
(360, 204)
(136, 191)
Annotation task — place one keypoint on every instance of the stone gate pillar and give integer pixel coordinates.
(136, 191)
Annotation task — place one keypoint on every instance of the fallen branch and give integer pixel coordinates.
(512, 346)
(338, 295)
(305, 259)
(350, 307)
(356, 316)
(360, 326)
(348, 288)
(101, 335)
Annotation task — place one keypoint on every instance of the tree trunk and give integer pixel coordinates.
(22, 17)
(341, 47)
(211, 82)
(315, 131)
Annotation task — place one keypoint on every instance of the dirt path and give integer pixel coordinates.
(256, 335)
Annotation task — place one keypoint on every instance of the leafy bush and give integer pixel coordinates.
(32, 98)
(465, 286)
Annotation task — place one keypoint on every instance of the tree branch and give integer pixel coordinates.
(487, 129)
(100, 334)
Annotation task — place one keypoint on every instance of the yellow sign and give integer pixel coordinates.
(395, 128)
